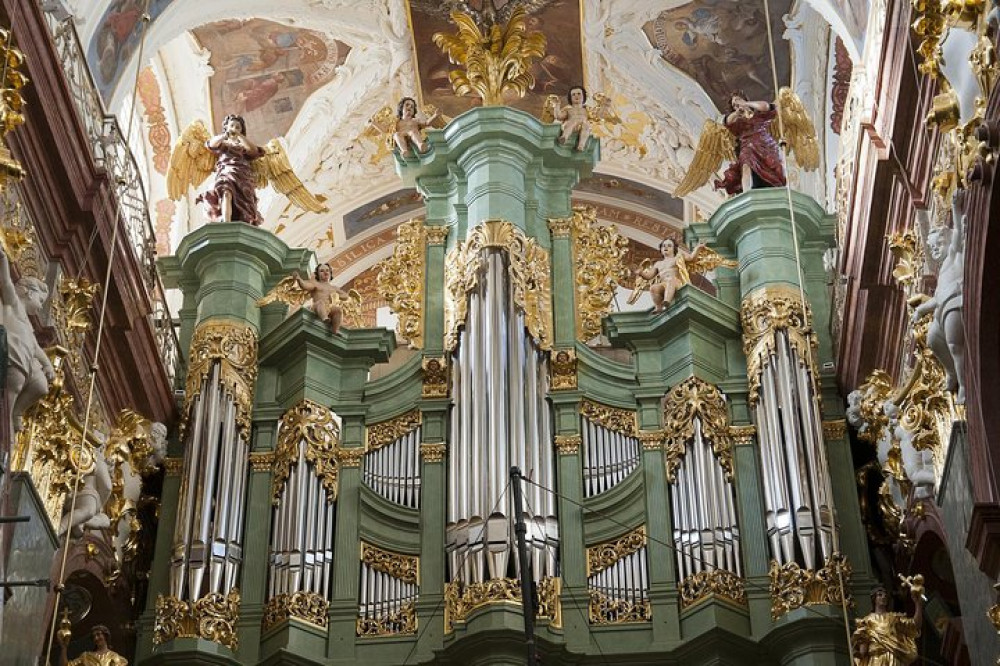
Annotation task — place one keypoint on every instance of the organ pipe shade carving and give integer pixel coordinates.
(392, 460)
(313, 427)
(599, 264)
(306, 606)
(717, 583)
(696, 403)
(234, 348)
(618, 580)
(611, 447)
(213, 617)
(793, 587)
(460, 599)
(530, 280)
(384, 432)
(388, 592)
(400, 280)
(613, 418)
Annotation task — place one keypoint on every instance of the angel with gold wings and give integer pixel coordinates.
(329, 302)
(577, 115)
(747, 137)
(240, 167)
(673, 271)
(403, 128)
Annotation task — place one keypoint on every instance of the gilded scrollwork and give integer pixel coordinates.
(763, 313)
(549, 600)
(400, 280)
(694, 399)
(403, 567)
(213, 617)
(234, 347)
(461, 599)
(793, 587)
(385, 432)
(599, 265)
(717, 582)
(562, 370)
(435, 380)
(77, 300)
(604, 555)
(613, 418)
(929, 27)
(608, 610)
(529, 277)
(310, 424)
(306, 606)
(402, 621)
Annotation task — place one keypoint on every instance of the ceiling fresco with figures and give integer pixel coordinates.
(315, 72)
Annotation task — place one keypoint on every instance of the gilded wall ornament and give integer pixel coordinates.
(401, 278)
(606, 554)
(234, 347)
(693, 399)
(598, 260)
(213, 617)
(793, 586)
(403, 567)
(529, 277)
(313, 425)
(717, 582)
(400, 622)
(608, 610)
(306, 606)
(763, 313)
(433, 453)
(436, 375)
(379, 434)
(77, 300)
(568, 444)
(613, 418)
(562, 370)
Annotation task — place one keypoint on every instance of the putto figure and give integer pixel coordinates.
(240, 167)
(329, 302)
(748, 138)
(409, 127)
(101, 656)
(884, 638)
(673, 271)
(576, 116)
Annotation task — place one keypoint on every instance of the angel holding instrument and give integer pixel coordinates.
(748, 136)
(240, 167)
(577, 116)
(673, 271)
(329, 302)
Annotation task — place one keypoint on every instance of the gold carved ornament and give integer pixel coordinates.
(742, 435)
(433, 453)
(493, 63)
(613, 418)
(77, 299)
(529, 276)
(435, 377)
(929, 27)
(379, 434)
(213, 617)
(562, 369)
(652, 440)
(306, 606)
(310, 424)
(718, 582)
(606, 554)
(607, 610)
(261, 461)
(131, 442)
(403, 567)
(763, 313)
(693, 399)
(11, 105)
(400, 280)
(461, 599)
(793, 587)
(568, 444)
(402, 621)
(351, 457)
(406, 568)
(598, 260)
(234, 347)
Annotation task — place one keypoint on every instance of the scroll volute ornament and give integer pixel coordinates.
(606, 554)
(314, 425)
(234, 346)
(400, 280)
(695, 398)
(598, 259)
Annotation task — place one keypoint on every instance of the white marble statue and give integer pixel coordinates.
(29, 370)
(956, 48)
(88, 511)
(946, 334)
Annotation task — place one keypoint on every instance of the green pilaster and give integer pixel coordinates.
(663, 592)
(563, 288)
(753, 532)
(434, 296)
(159, 575)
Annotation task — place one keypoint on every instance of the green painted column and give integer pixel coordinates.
(563, 282)
(159, 575)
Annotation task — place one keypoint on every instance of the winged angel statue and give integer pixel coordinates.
(577, 116)
(240, 168)
(673, 271)
(748, 136)
(402, 128)
(330, 303)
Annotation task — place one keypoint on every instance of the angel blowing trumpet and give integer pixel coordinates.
(748, 136)
(240, 168)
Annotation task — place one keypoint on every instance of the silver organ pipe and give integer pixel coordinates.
(799, 509)
(621, 582)
(388, 592)
(392, 470)
(208, 534)
(609, 457)
(500, 418)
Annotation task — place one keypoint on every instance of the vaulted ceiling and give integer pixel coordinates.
(315, 71)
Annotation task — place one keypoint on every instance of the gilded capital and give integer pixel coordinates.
(234, 347)
(562, 369)
(437, 235)
(560, 227)
(433, 453)
(568, 444)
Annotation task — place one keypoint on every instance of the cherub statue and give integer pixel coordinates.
(88, 510)
(401, 128)
(102, 654)
(240, 167)
(673, 271)
(409, 127)
(29, 370)
(329, 302)
(747, 137)
(884, 638)
(946, 333)
(577, 116)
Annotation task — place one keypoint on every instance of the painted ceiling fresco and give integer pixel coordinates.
(562, 66)
(722, 44)
(265, 71)
(116, 39)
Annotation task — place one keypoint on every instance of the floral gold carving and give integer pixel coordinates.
(435, 384)
(608, 610)
(234, 347)
(562, 369)
(351, 457)
(568, 444)
(652, 440)
(929, 27)
(12, 104)
(461, 599)
(437, 235)
(613, 418)
(402, 621)
(310, 424)
(403, 567)
(715, 582)
(213, 617)
(742, 435)
(433, 453)
(549, 600)
(560, 227)
(306, 606)
(401, 281)
(693, 399)
(793, 586)
(529, 276)
(261, 461)
(763, 313)
(605, 554)
(385, 432)
(77, 299)
(907, 249)
(599, 265)
(493, 64)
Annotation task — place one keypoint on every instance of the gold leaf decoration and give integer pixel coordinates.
(793, 587)
(606, 554)
(562, 370)
(400, 281)
(598, 258)
(693, 399)
(436, 375)
(402, 567)
(399, 622)
(385, 432)
(234, 347)
(718, 582)
(213, 617)
(306, 606)
(613, 418)
(314, 426)
(460, 599)
(608, 610)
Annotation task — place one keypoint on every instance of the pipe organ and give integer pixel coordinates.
(392, 460)
(618, 580)
(389, 587)
(611, 449)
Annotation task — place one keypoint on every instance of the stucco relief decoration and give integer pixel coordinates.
(529, 278)
(165, 210)
(315, 426)
(693, 399)
(400, 281)
(234, 347)
(598, 257)
(156, 120)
